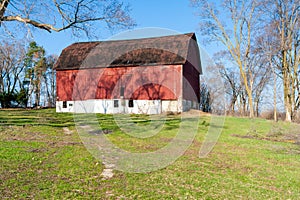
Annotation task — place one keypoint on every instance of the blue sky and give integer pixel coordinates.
(178, 16)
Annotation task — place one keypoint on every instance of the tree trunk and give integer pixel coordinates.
(232, 106)
(287, 102)
(288, 114)
(256, 108)
(286, 88)
(275, 97)
(250, 100)
(274, 90)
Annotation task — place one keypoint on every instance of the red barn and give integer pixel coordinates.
(148, 75)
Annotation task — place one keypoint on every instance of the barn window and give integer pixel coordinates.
(122, 91)
(116, 103)
(130, 103)
(64, 104)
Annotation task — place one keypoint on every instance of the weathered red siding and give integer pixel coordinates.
(140, 82)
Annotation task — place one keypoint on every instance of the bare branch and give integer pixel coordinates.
(3, 7)
(65, 14)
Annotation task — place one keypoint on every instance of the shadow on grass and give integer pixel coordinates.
(45, 117)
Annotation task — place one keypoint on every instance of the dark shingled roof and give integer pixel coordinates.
(163, 50)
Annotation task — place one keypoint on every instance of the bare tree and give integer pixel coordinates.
(284, 26)
(288, 29)
(236, 35)
(49, 78)
(231, 78)
(261, 77)
(11, 71)
(59, 15)
(266, 49)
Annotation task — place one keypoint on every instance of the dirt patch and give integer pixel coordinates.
(67, 131)
(275, 134)
(286, 138)
(63, 143)
(27, 136)
(292, 150)
(257, 137)
(37, 150)
(197, 113)
(293, 138)
(98, 132)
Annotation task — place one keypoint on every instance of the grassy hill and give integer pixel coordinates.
(42, 156)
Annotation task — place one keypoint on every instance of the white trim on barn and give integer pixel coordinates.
(113, 106)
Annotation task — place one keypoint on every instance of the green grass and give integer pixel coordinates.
(253, 159)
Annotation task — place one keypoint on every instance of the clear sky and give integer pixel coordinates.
(176, 15)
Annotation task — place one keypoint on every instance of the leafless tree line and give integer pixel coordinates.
(261, 47)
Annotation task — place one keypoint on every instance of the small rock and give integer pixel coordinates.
(107, 173)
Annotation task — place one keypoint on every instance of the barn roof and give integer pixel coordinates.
(165, 50)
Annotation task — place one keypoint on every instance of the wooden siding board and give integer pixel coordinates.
(141, 83)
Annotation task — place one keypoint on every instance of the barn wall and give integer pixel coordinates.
(64, 84)
(172, 106)
(191, 83)
(69, 106)
(191, 73)
(153, 82)
(107, 106)
(153, 89)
